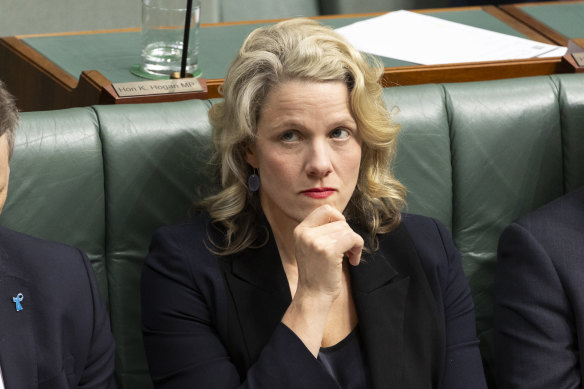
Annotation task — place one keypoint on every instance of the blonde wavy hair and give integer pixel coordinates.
(300, 49)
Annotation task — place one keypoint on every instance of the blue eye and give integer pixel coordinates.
(289, 136)
(340, 133)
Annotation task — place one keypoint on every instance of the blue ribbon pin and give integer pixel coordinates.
(19, 297)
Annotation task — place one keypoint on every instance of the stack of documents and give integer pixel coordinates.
(427, 40)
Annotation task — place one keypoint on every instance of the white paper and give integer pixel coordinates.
(427, 40)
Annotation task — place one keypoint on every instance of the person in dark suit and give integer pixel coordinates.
(539, 291)
(54, 328)
(302, 272)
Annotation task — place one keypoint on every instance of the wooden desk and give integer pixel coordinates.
(41, 70)
(558, 21)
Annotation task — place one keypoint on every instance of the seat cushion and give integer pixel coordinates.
(506, 161)
(571, 101)
(423, 158)
(156, 167)
(56, 182)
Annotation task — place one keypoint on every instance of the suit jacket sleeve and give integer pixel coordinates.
(100, 364)
(443, 266)
(534, 334)
(181, 316)
(464, 367)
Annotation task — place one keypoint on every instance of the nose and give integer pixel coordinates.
(318, 161)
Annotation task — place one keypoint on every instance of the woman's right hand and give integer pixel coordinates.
(321, 242)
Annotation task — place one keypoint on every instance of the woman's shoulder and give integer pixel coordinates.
(432, 241)
(426, 231)
(195, 225)
(440, 260)
(418, 224)
(190, 241)
(196, 230)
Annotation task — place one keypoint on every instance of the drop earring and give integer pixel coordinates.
(253, 181)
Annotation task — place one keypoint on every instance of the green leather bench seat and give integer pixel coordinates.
(423, 162)
(154, 167)
(56, 182)
(473, 155)
(572, 122)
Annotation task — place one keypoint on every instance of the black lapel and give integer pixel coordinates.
(261, 295)
(380, 294)
(400, 343)
(17, 346)
(392, 298)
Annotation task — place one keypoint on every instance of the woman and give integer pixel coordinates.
(302, 273)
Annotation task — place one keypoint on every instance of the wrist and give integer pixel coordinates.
(310, 300)
(306, 317)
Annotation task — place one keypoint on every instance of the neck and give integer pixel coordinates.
(283, 230)
(284, 237)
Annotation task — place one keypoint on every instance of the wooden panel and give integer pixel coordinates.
(569, 64)
(475, 71)
(36, 82)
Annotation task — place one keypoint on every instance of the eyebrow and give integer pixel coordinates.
(347, 121)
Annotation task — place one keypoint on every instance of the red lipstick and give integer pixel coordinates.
(318, 193)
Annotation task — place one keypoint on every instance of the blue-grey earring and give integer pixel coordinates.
(253, 181)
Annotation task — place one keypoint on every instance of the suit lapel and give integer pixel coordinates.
(380, 295)
(260, 293)
(17, 346)
(398, 346)
(381, 291)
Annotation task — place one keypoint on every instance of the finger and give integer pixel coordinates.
(322, 215)
(354, 253)
(347, 241)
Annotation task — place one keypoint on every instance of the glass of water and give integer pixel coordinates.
(163, 23)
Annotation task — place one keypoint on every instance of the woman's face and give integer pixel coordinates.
(307, 150)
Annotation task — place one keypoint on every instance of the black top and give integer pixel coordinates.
(345, 363)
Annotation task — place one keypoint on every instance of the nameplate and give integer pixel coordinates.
(157, 87)
(579, 58)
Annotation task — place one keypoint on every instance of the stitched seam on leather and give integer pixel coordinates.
(559, 93)
(447, 102)
(105, 218)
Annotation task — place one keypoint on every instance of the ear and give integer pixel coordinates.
(251, 156)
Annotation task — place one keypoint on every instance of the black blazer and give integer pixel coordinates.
(61, 338)
(214, 322)
(539, 295)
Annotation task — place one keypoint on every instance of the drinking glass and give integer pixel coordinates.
(163, 24)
